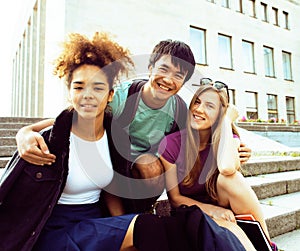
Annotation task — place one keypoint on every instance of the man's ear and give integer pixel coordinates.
(150, 68)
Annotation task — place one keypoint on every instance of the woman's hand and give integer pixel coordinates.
(220, 213)
(232, 112)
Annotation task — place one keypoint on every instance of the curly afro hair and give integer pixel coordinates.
(100, 51)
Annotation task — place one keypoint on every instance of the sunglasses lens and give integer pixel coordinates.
(219, 85)
(205, 81)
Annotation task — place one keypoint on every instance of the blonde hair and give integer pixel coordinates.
(193, 164)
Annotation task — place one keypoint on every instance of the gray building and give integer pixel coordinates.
(253, 46)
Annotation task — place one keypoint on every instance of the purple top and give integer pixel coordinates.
(172, 148)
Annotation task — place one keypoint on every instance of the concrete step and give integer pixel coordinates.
(27, 120)
(12, 125)
(270, 164)
(8, 132)
(8, 141)
(273, 184)
(282, 213)
(7, 151)
(288, 241)
(3, 162)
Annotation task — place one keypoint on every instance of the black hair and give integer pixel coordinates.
(181, 53)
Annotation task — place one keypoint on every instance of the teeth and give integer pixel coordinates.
(164, 87)
(198, 117)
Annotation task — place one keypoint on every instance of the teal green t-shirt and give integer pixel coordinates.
(149, 125)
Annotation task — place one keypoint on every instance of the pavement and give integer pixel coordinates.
(263, 146)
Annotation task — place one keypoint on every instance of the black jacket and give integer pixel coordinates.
(29, 192)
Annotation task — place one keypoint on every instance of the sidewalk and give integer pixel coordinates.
(262, 145)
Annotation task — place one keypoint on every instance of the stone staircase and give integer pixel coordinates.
(275, 180)
(9, 126)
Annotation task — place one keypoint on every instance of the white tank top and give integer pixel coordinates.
(90, 170)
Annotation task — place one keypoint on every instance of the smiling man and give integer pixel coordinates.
(144, 112)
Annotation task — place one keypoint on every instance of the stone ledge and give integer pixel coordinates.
(265, 127)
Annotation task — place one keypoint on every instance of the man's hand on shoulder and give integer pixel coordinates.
(32, 147)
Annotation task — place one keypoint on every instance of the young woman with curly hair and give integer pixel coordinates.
(57, 207)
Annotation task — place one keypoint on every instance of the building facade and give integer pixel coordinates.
(251, 45)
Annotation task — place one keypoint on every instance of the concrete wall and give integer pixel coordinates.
(140, 24)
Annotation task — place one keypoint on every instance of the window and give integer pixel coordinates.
(225, 3)
(231, 96)
(286, 20)
(225, 52)
(239, 6)
(275, 16)
(198, 45)
(248, 56)
(269, 62)
(251, 9)
(251, 109)
(290, 109)
(264, 12)
(272, 108)
(287, 66)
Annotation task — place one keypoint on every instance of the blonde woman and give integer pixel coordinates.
(202, 163)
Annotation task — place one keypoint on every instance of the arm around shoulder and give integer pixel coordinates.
(31, 145)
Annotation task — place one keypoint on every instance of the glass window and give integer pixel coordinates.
(252, 9)
(231, 96)
(225, 3)
(251, 109)
(275, 16)
(290, 109)
(269, 62)
(272, 108)
(286, 20)
(264, 12)
(239, 6)
(287, 66)
(225, 52)
(248, 56)
(198, 44)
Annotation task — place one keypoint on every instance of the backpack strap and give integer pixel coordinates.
(180, 115)
(131, 102)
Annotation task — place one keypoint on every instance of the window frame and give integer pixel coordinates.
(290, 113)
(275, 19)
(228, 57)
(252, 8)
(287, 76)
(253, 110)
(199, 53)
(264, 12)
(269, 72)
(286, 20)
(252, 64)
(272, 111)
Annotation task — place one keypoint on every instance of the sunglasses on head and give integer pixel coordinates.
(217, 84)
